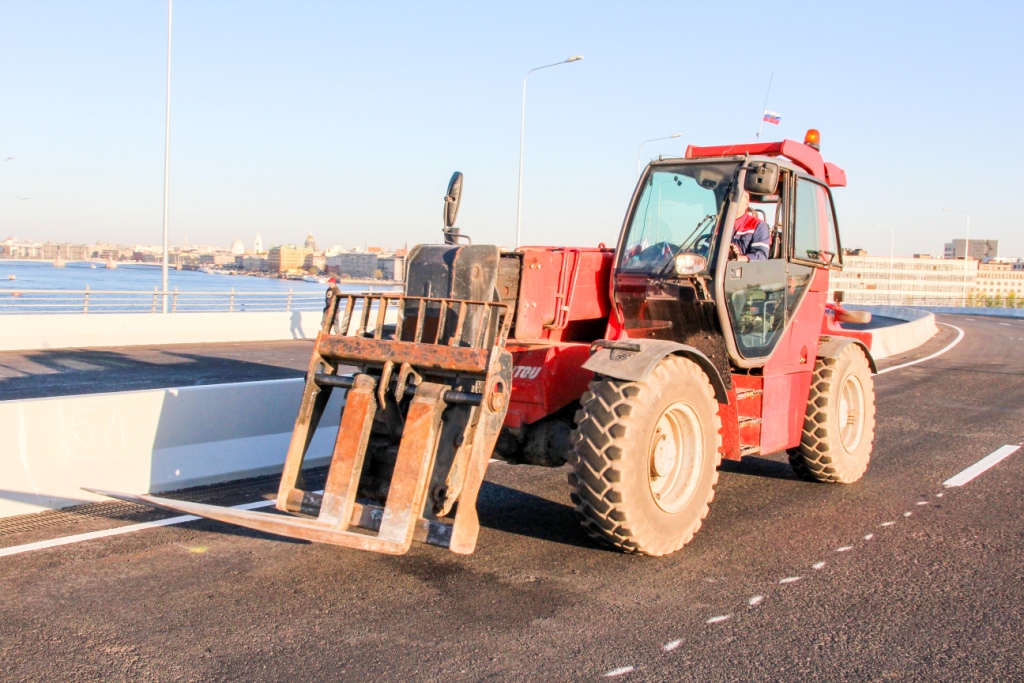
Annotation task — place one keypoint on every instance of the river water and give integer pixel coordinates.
(17, 294)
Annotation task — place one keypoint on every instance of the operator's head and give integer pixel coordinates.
(743, 204)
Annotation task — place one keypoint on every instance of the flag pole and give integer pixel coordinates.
(757, 138)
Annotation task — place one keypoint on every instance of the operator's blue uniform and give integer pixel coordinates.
(751, 236)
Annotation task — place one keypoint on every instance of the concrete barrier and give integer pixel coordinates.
(978, 311)
(63, 331)
(895, 339)
(167, 439)
(148, 441)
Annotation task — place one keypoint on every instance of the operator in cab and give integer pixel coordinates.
(750, 234)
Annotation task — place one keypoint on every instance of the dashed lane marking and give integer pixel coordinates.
(668, 647)
(719, 619)
(983, 465)
(621, 671)
(756, 600)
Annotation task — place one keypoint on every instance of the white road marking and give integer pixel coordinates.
(907, 514)
(756, 600)
(921, 502)
(668, 647)
(953, 343)
(1007, 324)
(117, 531)
(620, 671)
(844, 549)
(869, 537)
(818, 565)
(718, 619)
(938, 495)
(790, 579)
(986, 463)
(888, 523)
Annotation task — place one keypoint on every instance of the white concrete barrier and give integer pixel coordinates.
(149, 441)
(63, 331)
(895, 339)
(979, 311)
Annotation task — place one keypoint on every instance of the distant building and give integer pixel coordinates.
(257, 246)
(353, 264)
(253, 263)
(237, 247)
(69, 252)
(392, 267)
(980, 249)
(1000, 280)
(881, 280)
(310, 242)
(288, 258)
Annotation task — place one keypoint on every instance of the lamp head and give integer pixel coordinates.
(575, 58)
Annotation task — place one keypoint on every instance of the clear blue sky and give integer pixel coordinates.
(347, 119)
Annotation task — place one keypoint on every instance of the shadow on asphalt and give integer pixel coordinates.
(90, 371)
(524, 514)
(758, 467)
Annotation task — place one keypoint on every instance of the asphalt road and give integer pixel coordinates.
(893, 578)
(62, 372)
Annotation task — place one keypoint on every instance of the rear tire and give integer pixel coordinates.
(645, 458)
(839, 426)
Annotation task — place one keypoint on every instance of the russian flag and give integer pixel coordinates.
(772, 117)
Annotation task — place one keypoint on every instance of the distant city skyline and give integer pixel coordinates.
(348, 119)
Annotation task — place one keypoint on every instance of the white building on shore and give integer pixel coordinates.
(918, 280)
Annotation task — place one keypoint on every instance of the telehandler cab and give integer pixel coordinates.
(642, 366)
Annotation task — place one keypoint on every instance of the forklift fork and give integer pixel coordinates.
(452, 359)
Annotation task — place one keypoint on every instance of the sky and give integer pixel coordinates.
(346, 119)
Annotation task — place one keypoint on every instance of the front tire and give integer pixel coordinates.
(645, 458)
(839, 426)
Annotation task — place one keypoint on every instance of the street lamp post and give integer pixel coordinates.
(967, 248)
(892, 254)
(667, 137)
(522, 133)
(167, 157)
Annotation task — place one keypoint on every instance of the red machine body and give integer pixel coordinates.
(565, 304)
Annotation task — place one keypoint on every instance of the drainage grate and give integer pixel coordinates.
(230, 493)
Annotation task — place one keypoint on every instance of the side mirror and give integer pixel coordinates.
(762, 178)
(451, 200)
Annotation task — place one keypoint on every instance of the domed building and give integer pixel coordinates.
(310, 242)
(237, 248)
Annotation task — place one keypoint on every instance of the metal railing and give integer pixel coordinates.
(971, 301)
(128, 301)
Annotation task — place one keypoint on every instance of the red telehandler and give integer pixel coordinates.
(641, 366)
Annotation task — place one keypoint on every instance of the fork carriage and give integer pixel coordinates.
(427, 401)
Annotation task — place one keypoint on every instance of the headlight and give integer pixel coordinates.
(689, 264)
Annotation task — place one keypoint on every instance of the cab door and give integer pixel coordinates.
(811, 251)
(755, 291)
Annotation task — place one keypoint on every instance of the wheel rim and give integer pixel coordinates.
(851, 413)
(676, 457)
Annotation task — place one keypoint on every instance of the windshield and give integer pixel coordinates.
(677, 212)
